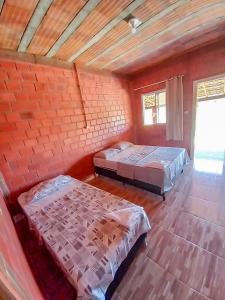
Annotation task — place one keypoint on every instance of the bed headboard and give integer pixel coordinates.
(3, 187)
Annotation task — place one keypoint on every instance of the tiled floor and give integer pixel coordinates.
(185, 254)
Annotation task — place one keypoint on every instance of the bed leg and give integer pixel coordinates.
(164, 197)
(145, 243)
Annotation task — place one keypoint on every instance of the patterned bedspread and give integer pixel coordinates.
(128, 159)
(154, 165)
(88, 231)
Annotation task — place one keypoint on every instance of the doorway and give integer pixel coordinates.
(209, 142)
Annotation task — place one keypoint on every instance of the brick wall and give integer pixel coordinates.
(42, 130)
(199, 64)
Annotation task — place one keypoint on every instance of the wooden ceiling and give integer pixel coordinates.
(94, 32)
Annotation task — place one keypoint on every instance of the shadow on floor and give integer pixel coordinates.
(50, 279)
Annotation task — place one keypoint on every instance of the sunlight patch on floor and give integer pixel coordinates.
(209, 166)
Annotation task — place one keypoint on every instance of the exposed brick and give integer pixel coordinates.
(2, 118)
(22, 125)
(34, 124)
(7, 127)
(44, 131)
(39, 148)
(26, 115)
(7, 97)
(28, 76)
(13, 75)
(41, 86)
(5, 107)
(13, 117)
(3, 74)
(43, 139)
(42, 125)
(33, 133)
(19, 135)
(28, 86)
(17, 145)
(27, 152)
(21, 95)
(5, 138)
(7, 64)
(25, 106)
(13, 85)
(2, 85)
(23, 66)
(12, 155)
(30, 142)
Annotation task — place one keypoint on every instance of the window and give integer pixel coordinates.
(211, 89)
(154, 107)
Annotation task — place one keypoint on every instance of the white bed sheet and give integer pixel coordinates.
(150, 164)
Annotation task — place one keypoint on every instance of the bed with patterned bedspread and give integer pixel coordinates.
(89, 232)
(152, 165)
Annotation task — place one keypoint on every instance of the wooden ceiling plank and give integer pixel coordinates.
(159, 26)
(74, 24)
(165, 46)
(61, 12)
(192, 32)
(143, 13)
(127, 11)
(35, 21)
(99, 18)
(1, 5)
(161, 33)
(15, 16)
(146, 24)
(175, 50)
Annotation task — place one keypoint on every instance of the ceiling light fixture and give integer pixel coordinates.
(133, 23)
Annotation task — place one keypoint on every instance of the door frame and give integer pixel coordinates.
(194, 115)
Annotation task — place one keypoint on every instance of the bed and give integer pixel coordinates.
(91, 234)
(150, 167)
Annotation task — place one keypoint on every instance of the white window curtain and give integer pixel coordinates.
(174, 109)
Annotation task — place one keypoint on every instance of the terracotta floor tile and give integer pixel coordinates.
(185, 254)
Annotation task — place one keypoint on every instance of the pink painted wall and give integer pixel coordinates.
(202, 63)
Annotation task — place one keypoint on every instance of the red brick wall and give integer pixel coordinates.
(42, 130)
(199, 64)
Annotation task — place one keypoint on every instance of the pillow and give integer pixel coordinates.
(44, 189)
(107, 153)
(122, 145)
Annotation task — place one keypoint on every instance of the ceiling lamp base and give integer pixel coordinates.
(133, 23)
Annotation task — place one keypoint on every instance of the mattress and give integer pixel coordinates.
(105, 163)
(154, 165)
(89, 232)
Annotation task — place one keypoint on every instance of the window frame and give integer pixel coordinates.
(143, 108)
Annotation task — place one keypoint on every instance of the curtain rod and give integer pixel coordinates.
(151, 84)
